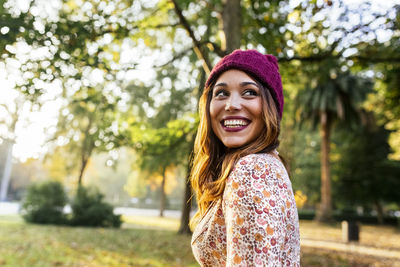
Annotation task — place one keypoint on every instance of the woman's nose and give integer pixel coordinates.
(233, 103)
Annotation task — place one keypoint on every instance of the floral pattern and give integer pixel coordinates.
(256, 221)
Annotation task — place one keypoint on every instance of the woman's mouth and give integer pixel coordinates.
(234, 125)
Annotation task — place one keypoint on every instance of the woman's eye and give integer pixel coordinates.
(220, 93)
(250, 92)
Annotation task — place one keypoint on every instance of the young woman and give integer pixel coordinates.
(247, 213)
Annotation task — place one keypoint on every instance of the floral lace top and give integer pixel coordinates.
(256, 221)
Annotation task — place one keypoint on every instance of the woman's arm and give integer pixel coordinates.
(261, 215)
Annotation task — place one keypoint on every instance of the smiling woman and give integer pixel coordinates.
(247, 213)
(236, 109)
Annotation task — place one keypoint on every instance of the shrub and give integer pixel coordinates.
(89, 209)
(44, 203)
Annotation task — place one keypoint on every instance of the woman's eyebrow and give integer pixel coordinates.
(221, 84)
(241, 84)
(248, 83)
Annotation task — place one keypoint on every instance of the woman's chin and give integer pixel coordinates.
(234, 145)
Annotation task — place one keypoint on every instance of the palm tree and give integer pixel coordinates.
(335, 98)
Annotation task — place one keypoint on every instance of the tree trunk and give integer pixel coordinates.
(82, 170)
(379, 212)
(86, 151)
(231, 25)
(163, 197)
(186, 206)
(5, 181)
(324, 213)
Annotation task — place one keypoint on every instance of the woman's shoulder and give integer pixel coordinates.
(258, 177)
(260, 160)
(263, 166)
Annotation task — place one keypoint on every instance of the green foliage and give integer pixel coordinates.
(157, 145)
(332, 98)
(365, 176)
(391, 92)
(163, 133)
(385, 104)
(135, 185)
(94, 126)
(44, 203)
(339, 95)
(89, 209)
(264, 18)
(305, 165)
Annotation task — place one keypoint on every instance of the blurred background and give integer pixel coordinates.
(98, 114)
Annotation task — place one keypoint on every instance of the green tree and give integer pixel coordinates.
(384, 103)
(166, 147)
(161, 141)
(365, 176)
(76, 55)
(337, 98)
(305, 168)
(89, 124)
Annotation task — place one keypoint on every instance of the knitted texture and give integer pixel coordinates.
(264, 68)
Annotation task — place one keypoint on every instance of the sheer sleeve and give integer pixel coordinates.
(260, 214)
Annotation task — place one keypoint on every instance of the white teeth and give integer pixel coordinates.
(235, 123)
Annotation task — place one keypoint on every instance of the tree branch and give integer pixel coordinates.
(197, 45)
(319, 58)
(375, 59)
(159, 26)
(217, 49)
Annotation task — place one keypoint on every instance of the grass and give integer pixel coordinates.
(149, 222)
(149, 241)
(39, 245)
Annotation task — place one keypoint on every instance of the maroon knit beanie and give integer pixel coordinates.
(264, 68)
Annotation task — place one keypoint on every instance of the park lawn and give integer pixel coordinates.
(24, 244)
(143, 241)
(151, 222)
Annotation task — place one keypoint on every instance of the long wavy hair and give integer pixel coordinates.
(213, 162)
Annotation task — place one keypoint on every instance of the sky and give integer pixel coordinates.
(35, 127)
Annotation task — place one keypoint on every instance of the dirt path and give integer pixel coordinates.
(352, 248)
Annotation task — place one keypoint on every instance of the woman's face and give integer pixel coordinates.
(236, 109)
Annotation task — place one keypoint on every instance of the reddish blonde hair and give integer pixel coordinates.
(213, 162)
